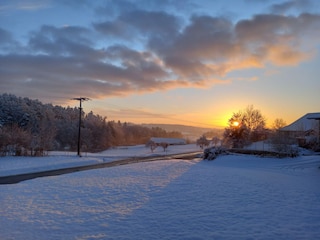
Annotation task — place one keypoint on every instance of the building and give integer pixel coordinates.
(304, 130)
(169, 141)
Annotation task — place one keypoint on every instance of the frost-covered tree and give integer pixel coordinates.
(66, 123)
(95, 132)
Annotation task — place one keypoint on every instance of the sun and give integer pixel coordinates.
(235, 124)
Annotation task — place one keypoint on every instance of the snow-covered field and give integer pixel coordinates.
(232, 197)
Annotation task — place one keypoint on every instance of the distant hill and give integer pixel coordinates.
(189, 132)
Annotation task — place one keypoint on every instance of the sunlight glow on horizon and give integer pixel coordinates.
(209, 117)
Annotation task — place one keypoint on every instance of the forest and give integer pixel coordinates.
(29, 127)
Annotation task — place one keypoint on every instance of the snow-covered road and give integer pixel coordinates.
(57, 160)
(233, 197)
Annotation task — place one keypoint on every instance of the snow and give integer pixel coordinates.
(260, 145)
(57, 160)
(232, 197)
(267, 146)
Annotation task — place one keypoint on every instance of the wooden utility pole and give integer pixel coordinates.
(80, 99)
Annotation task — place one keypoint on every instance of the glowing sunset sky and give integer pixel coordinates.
(191, 62)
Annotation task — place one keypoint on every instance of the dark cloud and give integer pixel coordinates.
(7, 41)
(140, 24)
(5, 36)
(63, 75)
(114, 8)
(75, 3)
(66, 41)
(144, 62)
(115, 29)
(204, 38)
(142, 51)
(153, 23)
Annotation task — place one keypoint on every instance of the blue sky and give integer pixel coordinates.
(170, 61)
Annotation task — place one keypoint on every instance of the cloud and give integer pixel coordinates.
(140, 26)
(284, 7)
(64, 41)
(7, 41)
(5, 37)
(278, 39)
(116, 29)
(210, 46)
(114, 8)
(27, 5)
(138, 50)
(125, 113)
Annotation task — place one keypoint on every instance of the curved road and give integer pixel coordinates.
(27, 176)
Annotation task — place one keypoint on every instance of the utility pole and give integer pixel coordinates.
(80, 99)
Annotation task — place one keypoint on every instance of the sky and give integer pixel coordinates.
(190, 62)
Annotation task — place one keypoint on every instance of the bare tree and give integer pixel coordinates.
(278, 124)
(253, 119)
(164, 145)
(152, 145)
(15, 140)
(279, 140)
(215, 141)
(245, 126)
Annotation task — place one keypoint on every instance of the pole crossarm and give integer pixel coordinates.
(81, 99)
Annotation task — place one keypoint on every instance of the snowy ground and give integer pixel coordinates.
(232, 197)
(56, 160)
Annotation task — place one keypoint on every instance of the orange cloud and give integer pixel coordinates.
(285, 55)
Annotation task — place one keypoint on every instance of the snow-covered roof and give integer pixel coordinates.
(168, 140)
(314, 116)
(305, 123)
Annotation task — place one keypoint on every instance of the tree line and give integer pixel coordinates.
(29, 127)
